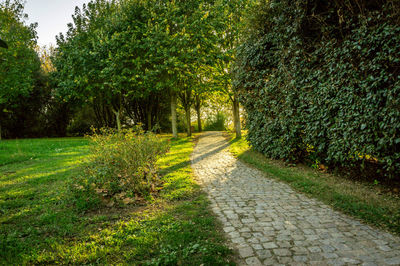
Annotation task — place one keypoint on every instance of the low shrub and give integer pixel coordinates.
(122, 168)
(216, 123)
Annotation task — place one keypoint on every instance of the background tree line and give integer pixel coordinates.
(121, 63)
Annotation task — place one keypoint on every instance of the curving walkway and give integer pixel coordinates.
(269, 223)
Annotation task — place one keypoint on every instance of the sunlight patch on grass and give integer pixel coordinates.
(31, 177)
(176, 167)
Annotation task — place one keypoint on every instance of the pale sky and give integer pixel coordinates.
(52, 17)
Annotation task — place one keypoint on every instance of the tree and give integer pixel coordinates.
(133, 64)
(111, 56)
(193, 46)
(167, 41)
(232, 13)
(19, 64)
(81, 60)
(129, 54)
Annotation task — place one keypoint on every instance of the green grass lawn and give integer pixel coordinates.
(367, 202)
(39, 224)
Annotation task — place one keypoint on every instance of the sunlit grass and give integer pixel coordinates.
(34, 205)
(364, 201)
(39, 224)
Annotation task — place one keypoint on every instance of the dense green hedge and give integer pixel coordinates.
(320, 80)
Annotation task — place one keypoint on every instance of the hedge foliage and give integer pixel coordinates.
(320, 80)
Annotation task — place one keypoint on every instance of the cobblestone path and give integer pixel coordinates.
(269, 223)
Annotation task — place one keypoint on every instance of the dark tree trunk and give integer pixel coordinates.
(236, 117)
(198, 106)
(173, 115)
(149, 116)
(188, 122)
(187, 101)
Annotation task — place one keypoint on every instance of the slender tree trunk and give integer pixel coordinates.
(0, 132)
(188, 122)
(149, 116)
(148, 121)
(117, 114)
(198, 106)
(236, 117)
(117, 118)
(173, 115)
(199, 119)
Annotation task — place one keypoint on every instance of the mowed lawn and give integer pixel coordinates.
(35, 209)
(39, 223)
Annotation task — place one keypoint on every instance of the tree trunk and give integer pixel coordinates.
(148, 121)
(199, 119)
(188, 122)
(117, 118)
(173, 115)
(0, 132)
(236, 117)
(198, 106)
(149, 116)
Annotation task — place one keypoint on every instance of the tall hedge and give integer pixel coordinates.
(320, 80)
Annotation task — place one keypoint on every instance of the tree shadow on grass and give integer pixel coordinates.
(35, 205)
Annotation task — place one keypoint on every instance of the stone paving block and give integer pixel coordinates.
(257, 246)
(327, 248)
(298, 237)
(393, 261)
(284, 244)
(270, 245)
(264, 254)
(314, 249)
(234, 234)
(244, 229)
(248, 221)
(330, 255)
(282, 252)
(253, 240)
(238, 240)
(229, 229)
(349, 261)
(285, 260)
(245, 252)
(315, 256)
(254, 261)
(369, 264)
(300, 258)
(299, 250)
(384, 248)
(246, 235)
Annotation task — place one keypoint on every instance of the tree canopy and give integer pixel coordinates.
(118, 55)
(19, 65)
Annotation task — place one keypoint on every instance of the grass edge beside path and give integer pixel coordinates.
(363, 201)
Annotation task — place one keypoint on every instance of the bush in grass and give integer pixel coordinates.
(121, 169)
